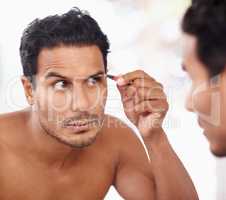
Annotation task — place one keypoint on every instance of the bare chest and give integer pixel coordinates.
(21, 180)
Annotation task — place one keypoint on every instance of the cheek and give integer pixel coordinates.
(51, 105)
(50, 99)
(223, 107)
(201, 102)
(210, 106)
(41, 99)
(59, 101)
(97, 97)
(199, 98)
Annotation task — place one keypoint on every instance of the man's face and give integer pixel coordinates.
(207, 97)
(70, 93)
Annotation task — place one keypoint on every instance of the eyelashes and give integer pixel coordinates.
(60, 85)
(98, 78)
(94, 80)
(63, 84)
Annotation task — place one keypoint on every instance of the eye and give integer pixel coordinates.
(93, 80)
(60, 85)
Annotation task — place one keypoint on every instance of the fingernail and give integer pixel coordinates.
(120, 81)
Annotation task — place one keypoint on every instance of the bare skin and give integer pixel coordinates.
(30, 172)
(43, 158)
(207, 97)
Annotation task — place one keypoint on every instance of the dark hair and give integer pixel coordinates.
(206, 20)
(75, 27)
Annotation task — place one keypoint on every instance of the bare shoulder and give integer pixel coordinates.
(9, 120)
(117, 127)
(134, 177)
(127, 142)
(11, 123)
(120, 132)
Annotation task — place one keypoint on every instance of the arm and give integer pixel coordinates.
(163, 177)
(172, 180)
(134, 178)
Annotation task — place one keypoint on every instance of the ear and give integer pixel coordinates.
(28, 89)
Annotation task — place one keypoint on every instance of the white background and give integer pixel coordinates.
(144, 35)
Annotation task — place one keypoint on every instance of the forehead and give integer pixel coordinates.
(193, 65)
(189, 46)
(74, 60)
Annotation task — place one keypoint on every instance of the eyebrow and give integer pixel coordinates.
(97, 74)
(57, 75)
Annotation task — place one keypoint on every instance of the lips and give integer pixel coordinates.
(200, 123)
(80, 126)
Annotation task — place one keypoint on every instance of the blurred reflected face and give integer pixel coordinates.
(70, 93)
(207, 97)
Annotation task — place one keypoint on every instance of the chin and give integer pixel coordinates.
(218, 151)
(216, 143)
(76, 140)
(83, 140)
(78, 143)
(82, 144)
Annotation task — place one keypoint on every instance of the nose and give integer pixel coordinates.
(189, 103)
(80, 100)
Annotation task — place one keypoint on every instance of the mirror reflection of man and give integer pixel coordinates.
(64, 147)
(204, 47)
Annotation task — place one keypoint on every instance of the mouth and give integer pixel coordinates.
(200, 123)
(79, 127)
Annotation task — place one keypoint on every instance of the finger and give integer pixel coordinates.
(127, 93)
(154, 106)
(131, 76)
(155, 93)
(146, 82)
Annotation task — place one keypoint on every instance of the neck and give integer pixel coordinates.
(47, 149)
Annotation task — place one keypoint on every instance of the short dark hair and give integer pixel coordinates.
(75, 28)
(206, 20)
